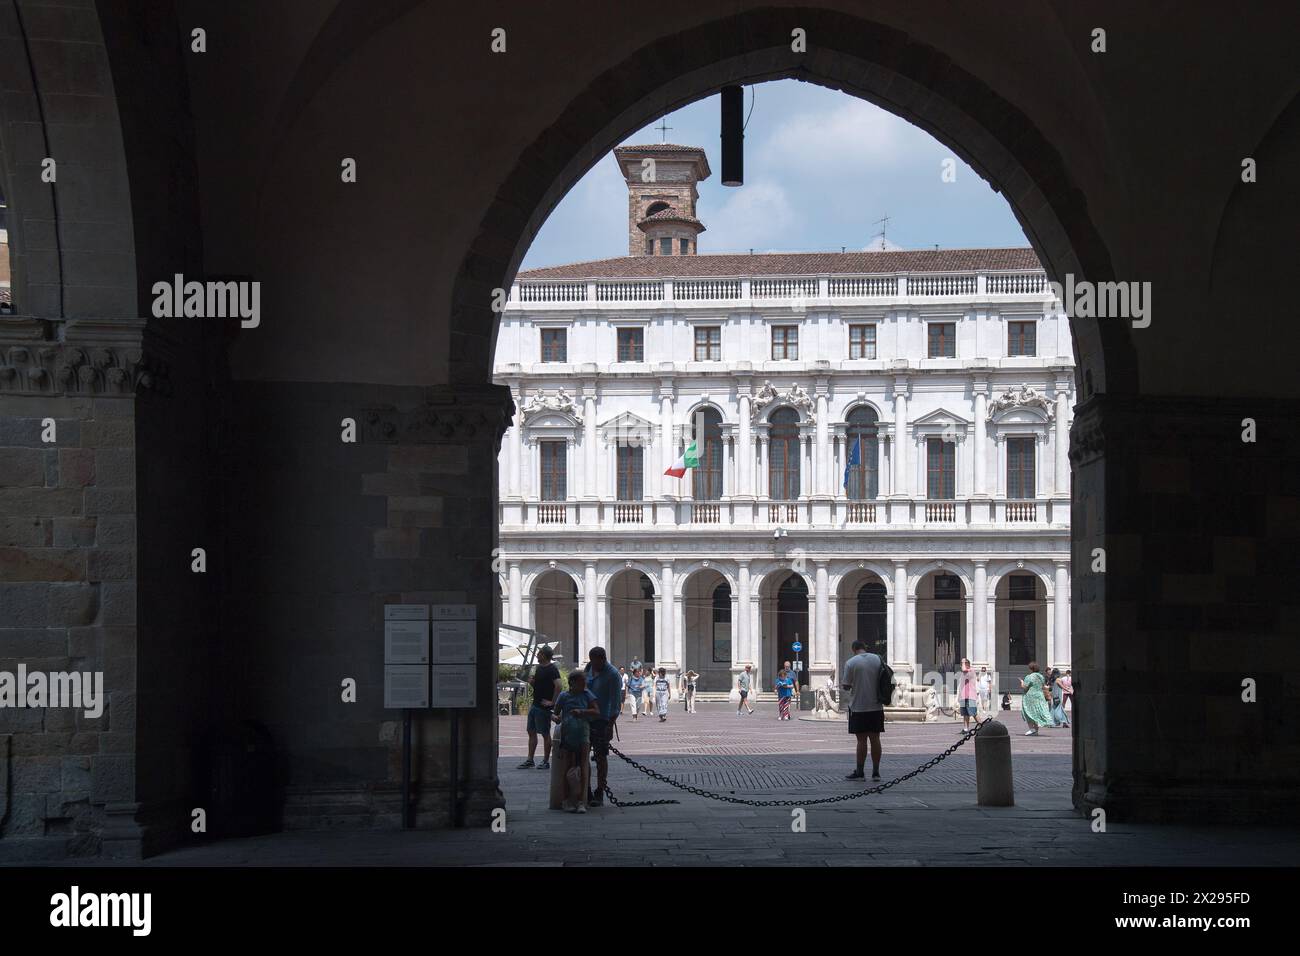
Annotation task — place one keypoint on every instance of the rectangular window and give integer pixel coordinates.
(862, 341)
(631, 345)
(1022, 587)
(785, 342)
(686, 247)
(1021, 637)
(708, 343)
(555, 461)
(649, 247)
(555, 345)
(940, 469)
(943, 339)
(1020, 468)
(665, 247)
(1022, 338)
(630, 472)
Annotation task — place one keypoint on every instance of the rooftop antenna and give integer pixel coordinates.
(883, 223)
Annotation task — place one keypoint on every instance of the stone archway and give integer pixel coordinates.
(860, 57)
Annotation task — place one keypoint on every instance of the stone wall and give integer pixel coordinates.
(1200, 530)
(321, 535)
(67, 587)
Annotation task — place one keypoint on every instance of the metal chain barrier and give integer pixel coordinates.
(725, 798)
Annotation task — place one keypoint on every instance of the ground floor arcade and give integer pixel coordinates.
(714, 616)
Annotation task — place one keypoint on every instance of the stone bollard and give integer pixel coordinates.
(993, 766)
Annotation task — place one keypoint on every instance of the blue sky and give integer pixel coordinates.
(820, 168)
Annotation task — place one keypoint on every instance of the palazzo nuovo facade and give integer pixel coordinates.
(882, 438)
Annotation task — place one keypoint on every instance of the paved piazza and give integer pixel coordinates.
(929, 820)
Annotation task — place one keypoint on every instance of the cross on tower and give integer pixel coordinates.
(663, 130)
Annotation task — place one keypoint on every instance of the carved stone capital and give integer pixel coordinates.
(452, 414)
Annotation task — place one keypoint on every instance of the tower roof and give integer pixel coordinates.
(670, 151)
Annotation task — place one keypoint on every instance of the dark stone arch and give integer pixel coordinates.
(883, 65)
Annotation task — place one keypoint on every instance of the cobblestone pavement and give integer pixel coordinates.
(931, 819)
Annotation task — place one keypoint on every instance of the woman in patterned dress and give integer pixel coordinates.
(1034, 705)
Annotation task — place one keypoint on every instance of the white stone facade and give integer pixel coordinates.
(572, 567)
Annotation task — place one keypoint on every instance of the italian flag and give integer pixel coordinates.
(689, 459)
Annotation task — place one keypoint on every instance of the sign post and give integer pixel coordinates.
(406, 678)
(453, 655)
(798, 664)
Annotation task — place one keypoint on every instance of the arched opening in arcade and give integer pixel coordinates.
(873, 465)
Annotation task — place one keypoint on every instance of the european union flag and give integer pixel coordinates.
(855, 458)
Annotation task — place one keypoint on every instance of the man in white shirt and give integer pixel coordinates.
(866, 710)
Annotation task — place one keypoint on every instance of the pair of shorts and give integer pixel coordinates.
(539, 720)
(968, 707)
(601, 731)
(744, 694)
(866, 722)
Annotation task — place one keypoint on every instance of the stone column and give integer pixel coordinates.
(740, 638)
(516, 482)
(590, 612)
(761, 483)
(745, 448)
(516, 597)
(1062, 613)
(980, 652)
(902, 484)
(902, 654)
(978, 485)
(666, 646)
(668, 446)
(823, 485)
(819, 653)
(1062, 441)
(590, 474)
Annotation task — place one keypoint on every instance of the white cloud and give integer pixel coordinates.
(846, 139)
(754, 216)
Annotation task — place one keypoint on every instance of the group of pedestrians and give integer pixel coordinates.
(587, 711)
(1045, 698)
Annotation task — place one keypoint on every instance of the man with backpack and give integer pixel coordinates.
(864, 675)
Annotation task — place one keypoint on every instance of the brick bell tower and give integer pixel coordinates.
(661, 197)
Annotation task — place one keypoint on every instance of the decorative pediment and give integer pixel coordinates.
(1023, 397)
(540, 402)
(627, 428)
(769, 397)
(941, 418)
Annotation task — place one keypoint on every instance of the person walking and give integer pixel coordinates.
(743, 683)
(546, 686)
(574, 710)
(1051, 682)
(649, 691)
(1067, 695)
(967, 693)
(784, 686)
(1033, 706)
(662, 689)
(603, 681)
(635, 688)
(866, 711)
(986, 690)
(690, 677)
(1059, 717)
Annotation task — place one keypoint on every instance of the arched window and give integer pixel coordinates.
(872, 618)
(863, 477)
(655, 207)
(783, 455)
(706, 429)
